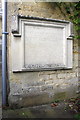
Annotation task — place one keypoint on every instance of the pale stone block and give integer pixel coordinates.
(53, 76)
(66, 75)
(62, 75)
(44, 77)
(49, 82)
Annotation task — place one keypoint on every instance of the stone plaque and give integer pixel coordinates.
(42, 44)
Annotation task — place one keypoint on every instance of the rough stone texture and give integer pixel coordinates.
(34, 88)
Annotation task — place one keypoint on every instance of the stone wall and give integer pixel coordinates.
(0, 82)
(0, 18)
(0, 42)
(34, 88)
(0, 39)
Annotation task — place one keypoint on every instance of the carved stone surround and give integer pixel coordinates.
(41, 44)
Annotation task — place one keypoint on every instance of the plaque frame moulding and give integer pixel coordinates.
(18, 46)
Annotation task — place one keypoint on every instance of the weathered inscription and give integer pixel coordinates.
(44, 66)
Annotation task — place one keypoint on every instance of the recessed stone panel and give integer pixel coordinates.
(43, 44)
